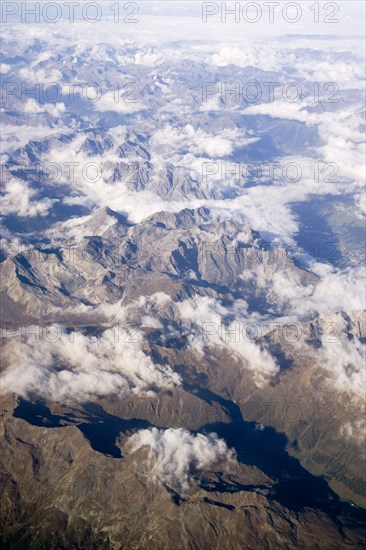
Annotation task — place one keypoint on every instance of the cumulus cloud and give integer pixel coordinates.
(196, 141)
(210, 325)
(341, 135)
(12, 138)
(118, 103)
(176, 454)
(97, 190)
(4, 68)
(337, 290)
(20, 199)
(344, 356)
(212, 104)
(267, 209)
(332, 70)
(150, 57)
(245, 56)
(41, 76)
(356, 432)
(63, 365)
(345, 362)
(31, 106)
(54, 109)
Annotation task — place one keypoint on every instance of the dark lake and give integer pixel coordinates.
(264, 448)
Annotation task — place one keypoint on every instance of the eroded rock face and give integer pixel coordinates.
(182, 341)
(182, 286)
(182, 254)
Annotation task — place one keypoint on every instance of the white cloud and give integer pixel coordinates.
(337, 290)
(54, 109)
(246, 55)
(117, 103)
(4, 68)
(345, 362)
(212, 104)
(196, 141)
(332, 71)
(73, 366)
(150, 58)
(12, 137)
(31, 106)
(150, 322)
(209, 326)
(176, 454)
(41, 76)
(21, 200)
(355, 431)
(344, 143)
(43, 56)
